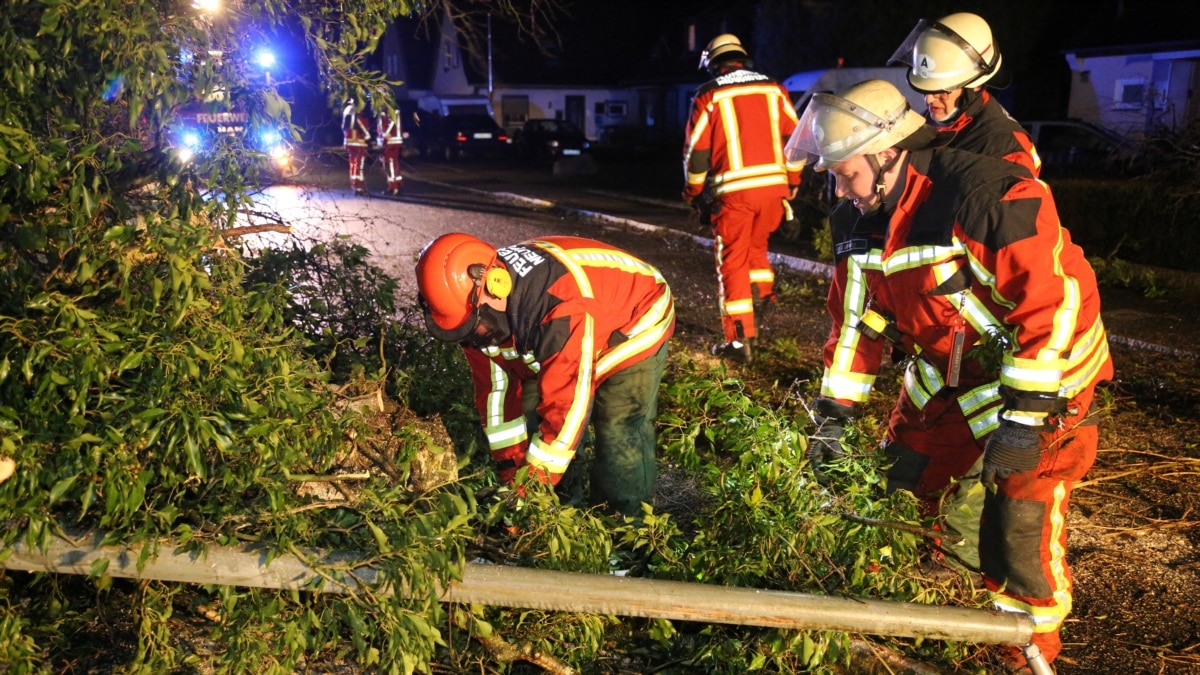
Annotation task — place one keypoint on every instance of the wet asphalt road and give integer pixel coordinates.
(499, 203)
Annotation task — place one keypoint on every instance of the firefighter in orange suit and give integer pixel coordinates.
(356, 133)
(736, 175)
(959, 261)
(557, 331)
(390, 138)
(950, 60)
(953, 61)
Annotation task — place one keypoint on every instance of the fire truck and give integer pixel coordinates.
(201, 128)
(223, 121)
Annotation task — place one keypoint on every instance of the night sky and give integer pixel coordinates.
(619, 41)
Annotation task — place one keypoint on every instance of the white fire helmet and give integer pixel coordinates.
(863, 119)
(725, 44)
(954, 52)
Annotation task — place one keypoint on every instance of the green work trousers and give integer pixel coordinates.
(622, 463)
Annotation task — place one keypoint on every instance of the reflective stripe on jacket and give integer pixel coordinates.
(734, 141)
(579, 310)
(387, 130)
(355, 128)
(972, 246)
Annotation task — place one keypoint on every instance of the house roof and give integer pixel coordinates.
(417, 41)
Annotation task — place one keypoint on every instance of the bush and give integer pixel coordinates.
(1146, 220)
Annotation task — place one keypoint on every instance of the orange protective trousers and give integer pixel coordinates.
(742, 225)
(1023, 536)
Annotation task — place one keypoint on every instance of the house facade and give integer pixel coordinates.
(648, 100)
(1136, 89)
(592, 109)
(438, 76)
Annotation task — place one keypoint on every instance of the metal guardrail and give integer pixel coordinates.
(519, 587)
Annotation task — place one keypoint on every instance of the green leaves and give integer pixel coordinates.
(771, 525)
(145, 389)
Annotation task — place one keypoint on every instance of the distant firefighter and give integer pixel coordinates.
(390, 138)
(736, 177)
(356, 134)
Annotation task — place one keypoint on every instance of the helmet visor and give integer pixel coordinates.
(832, 130)
(802, 146)
(457, 334)
(904, 53)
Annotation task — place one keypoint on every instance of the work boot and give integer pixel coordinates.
(762, 310)
(733, 351)
(1043, 650)
(1012, 662)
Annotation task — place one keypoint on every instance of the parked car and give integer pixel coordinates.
(546, 140)
(1078, 147)
(473, 135)
(418, 128)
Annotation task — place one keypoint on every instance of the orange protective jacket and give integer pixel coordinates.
(974, 247)
(740, 122)
(579, 310)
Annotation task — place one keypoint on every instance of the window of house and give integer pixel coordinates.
(514, 109)
(616, 108)
(1132, 94)
(449, 56)
(1129, 94)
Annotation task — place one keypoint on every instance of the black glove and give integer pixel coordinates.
(1012, 448)
(702, 210)
(825, 444)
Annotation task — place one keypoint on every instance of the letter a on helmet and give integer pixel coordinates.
(450, 273)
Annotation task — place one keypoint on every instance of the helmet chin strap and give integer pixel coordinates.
(880, 177)
(495, 322)
(950, 118)
(965, 99)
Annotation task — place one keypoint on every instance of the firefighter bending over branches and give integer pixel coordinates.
(973, 278)
(558, 332)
